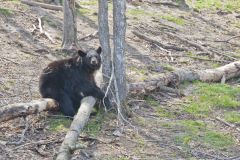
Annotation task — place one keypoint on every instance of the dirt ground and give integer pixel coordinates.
(152, 134)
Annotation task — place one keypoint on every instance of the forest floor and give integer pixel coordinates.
(202, 124)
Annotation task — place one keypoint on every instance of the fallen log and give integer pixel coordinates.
(175, 78)
(79, 121)
(43, 5)
(22, 109)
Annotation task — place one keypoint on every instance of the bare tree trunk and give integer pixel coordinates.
(69, 43)
(119, 29)
(104, 39)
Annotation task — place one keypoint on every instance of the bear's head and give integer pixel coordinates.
(91, 59)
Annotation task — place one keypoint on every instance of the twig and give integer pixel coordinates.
(227, 40)
(227, 124)
(22, 135)
(41, 142)
(92, 35)
(43, 32)
(10, 60)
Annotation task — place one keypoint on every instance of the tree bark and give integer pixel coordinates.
(79, 121)
(175, 78)
(104, 40)
(22, 109)
(119, 29)
(43, 5)
(69, 43)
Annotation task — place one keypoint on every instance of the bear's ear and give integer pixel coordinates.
(99, 50)
(81, 53)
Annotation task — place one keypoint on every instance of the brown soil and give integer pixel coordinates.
(25, 53)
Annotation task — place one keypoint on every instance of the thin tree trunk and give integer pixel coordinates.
(104, 39)
(119, 29)
(69, 43)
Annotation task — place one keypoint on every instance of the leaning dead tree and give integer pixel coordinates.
(80, 119)
(69, 43)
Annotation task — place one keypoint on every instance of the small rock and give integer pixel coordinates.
(117, 133)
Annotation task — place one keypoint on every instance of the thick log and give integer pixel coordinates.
(22, 109)
(173, 79)
(43, 5)
(79, 121)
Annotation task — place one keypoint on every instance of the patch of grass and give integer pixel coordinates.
(59, 124)
(89, 3)
(215, 65)
(140, 121)
(117, 158)
(6, 11)
(141, 72)
(218, 140)
(232, 117)
(161, 112)
(84, 11)
(173, 19)
(229, 5)
(137, 12)
(168, 67)
(199, 132)
(193, 126)
(236, 24)
(152, 102)
(94, 125)
(209, 96)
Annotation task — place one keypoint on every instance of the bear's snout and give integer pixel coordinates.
(94, 61)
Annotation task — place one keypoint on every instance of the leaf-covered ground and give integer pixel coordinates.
(202, 124)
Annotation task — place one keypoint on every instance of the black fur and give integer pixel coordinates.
(69, 80)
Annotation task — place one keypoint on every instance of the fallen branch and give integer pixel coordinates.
(92, 35)
(43, 32)
(173, 47)
(43, 5)
(227, 124)
(22, 135)
(21, 109)
(175, 78)
(79, 121)
(227, 40)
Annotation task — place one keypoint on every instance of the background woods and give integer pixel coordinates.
(173, 50)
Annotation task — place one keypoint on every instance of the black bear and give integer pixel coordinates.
(69, 80)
